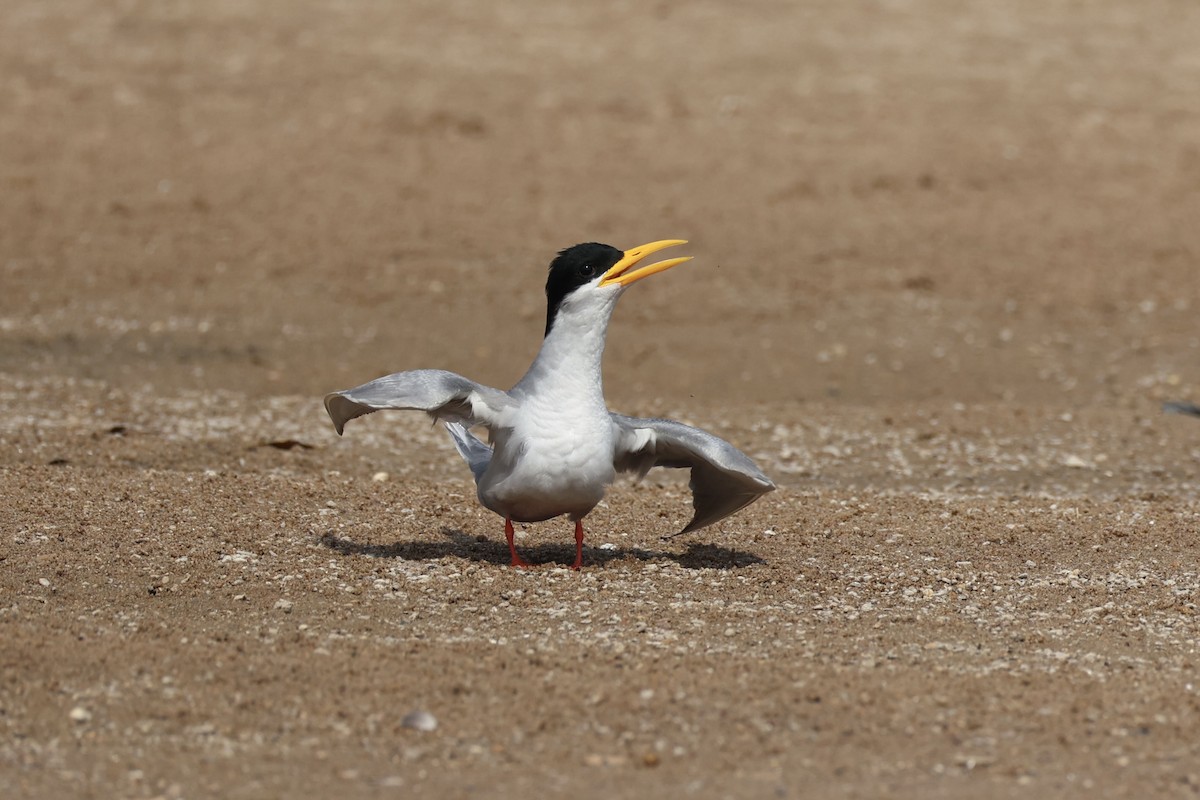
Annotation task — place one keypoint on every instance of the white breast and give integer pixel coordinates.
(556, 460)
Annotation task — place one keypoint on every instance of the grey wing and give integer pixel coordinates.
(443, 395)
(724, 479)
(477, 454)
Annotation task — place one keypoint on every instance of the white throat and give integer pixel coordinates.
(568, 365)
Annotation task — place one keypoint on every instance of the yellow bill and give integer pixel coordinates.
(623, 271)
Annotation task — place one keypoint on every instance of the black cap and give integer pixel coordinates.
(576, 266)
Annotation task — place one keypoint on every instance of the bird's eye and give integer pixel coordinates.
(587, 270)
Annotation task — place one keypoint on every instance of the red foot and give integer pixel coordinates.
(521, 563)
(517, 561)
(578, 545)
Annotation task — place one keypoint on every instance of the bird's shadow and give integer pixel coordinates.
(457, 544)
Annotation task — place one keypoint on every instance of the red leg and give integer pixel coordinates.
(517, 561)
(578, 545)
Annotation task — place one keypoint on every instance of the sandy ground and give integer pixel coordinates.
(946, 258)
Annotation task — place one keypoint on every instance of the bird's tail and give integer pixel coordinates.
(477, 454)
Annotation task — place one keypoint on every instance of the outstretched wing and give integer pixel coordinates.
(724, 479)
(443, 395)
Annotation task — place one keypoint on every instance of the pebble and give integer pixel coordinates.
(80, 714)
(284, 605)
(419, 721)
(599, 760)
(380, 477)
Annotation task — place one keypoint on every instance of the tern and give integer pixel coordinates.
(554, 447)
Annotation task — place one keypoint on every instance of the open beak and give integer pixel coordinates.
(623, 271)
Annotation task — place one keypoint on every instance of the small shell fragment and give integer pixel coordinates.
(419, 721)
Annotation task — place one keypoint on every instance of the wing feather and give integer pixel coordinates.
(441, 394)
(724, 480)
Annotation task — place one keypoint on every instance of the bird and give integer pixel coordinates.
(553, 445)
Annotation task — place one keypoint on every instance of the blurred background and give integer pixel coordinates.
(935, 201)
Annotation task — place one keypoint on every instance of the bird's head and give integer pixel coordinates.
(585, 280)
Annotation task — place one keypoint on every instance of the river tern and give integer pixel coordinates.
(554, 447)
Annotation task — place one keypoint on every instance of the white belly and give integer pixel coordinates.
(547, 467)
